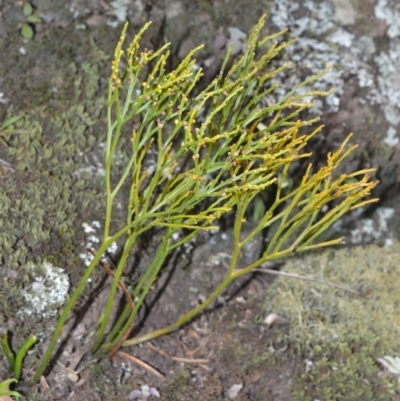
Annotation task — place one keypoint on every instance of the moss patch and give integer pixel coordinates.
(338, 335)
(56, 185)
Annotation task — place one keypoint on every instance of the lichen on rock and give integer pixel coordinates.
(47, 291)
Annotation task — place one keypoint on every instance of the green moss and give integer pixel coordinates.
(342, 372)
(341, 335)
(176, 389)
(52, 191)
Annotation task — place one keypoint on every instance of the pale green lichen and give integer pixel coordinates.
(339, 334)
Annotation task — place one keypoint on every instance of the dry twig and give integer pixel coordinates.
(139, 362)
(176, 358)
(313, 279)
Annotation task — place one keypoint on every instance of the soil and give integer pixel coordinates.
(51, 185)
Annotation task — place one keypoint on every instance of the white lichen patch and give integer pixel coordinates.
(47, 292)
(93, 242)
(389, 11)
(342, 38)
(312, 51)
(391, 138)
(371, 230)
(120, 11)
(323, 41)
(387, 92)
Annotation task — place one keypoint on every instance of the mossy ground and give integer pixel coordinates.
(339, 335)
(60, 94)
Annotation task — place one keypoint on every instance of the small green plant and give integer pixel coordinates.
(196, 157)
(7, 127)
(15, 362)
(28, 26)
(5, 389)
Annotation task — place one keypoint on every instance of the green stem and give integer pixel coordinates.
(111, 296)
(71, 303)
(195, 311)
(182, 320)
(7, 350)
(142, 287)
(27, 345)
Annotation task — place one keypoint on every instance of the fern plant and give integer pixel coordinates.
(213, 152)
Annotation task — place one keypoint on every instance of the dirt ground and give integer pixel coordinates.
(51, 185)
